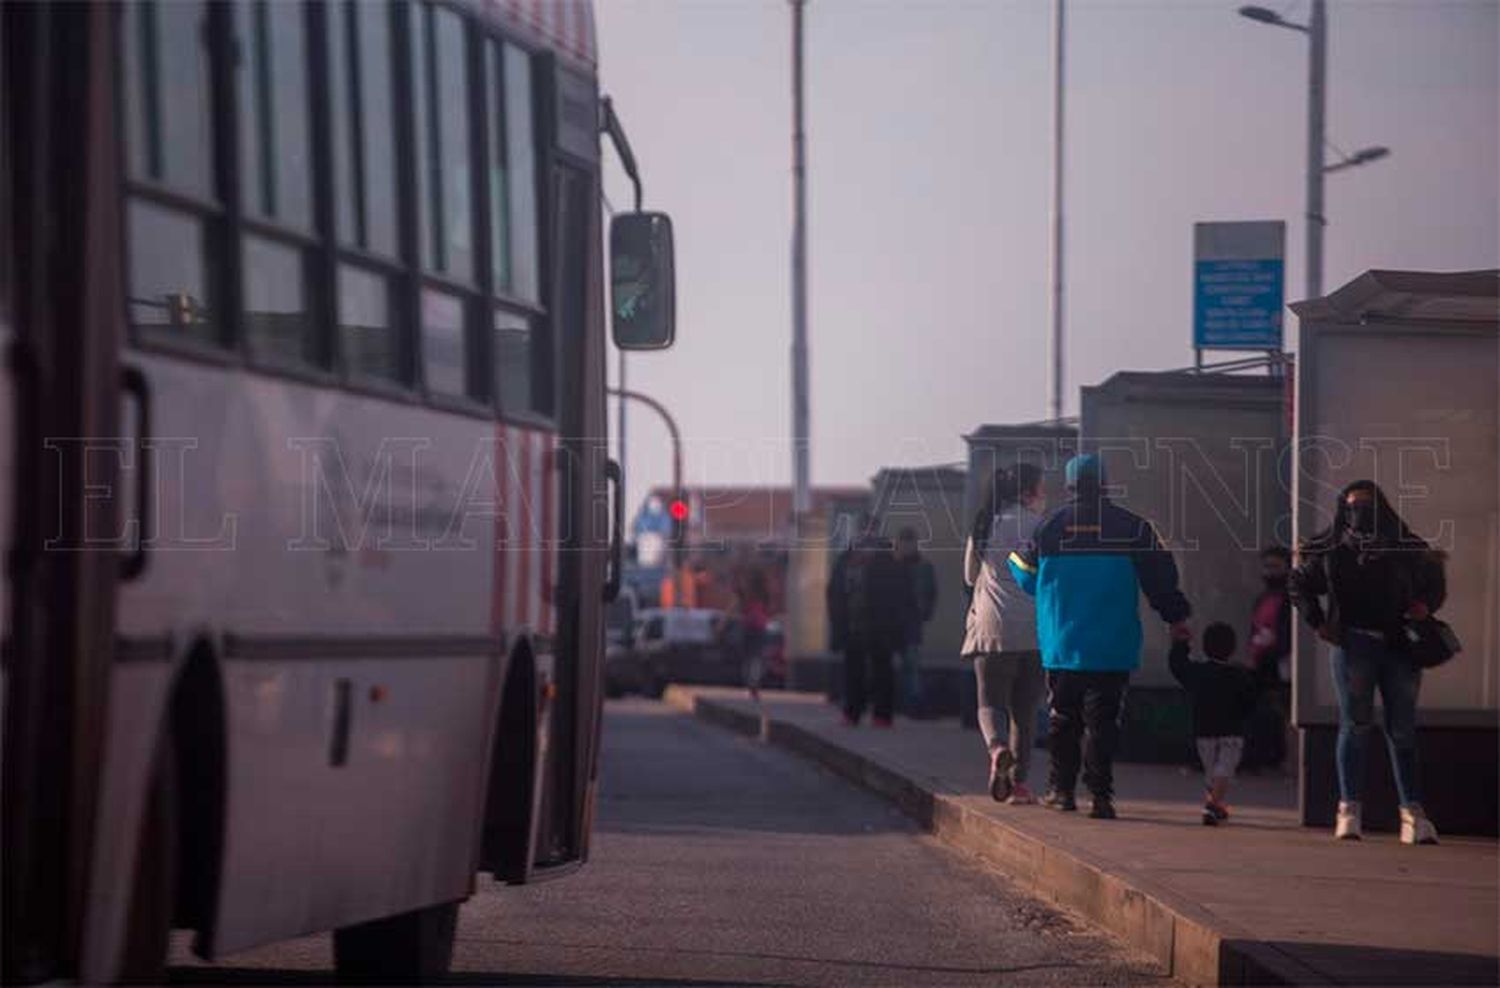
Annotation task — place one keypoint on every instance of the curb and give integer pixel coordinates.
(1192, 944)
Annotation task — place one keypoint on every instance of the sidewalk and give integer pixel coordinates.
(1261, 900)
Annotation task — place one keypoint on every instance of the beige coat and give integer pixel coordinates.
(1002, 616)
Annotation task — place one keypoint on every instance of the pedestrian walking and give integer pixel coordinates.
(1361, 583)
(1087, 565)
(921, 603)
(1000, 629)
(1222, 695)
(871, 594)
(1270, 662)
(753, 605)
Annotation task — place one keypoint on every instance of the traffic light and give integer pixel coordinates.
(678, 512)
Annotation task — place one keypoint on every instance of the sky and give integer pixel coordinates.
(929, 182)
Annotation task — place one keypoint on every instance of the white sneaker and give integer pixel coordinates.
(1347, 826)
(1415, 827)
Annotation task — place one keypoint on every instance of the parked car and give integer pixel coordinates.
(674, 645)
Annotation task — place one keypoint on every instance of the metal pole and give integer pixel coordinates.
(1316, 98)
(1057, 210)
(800, 472)
(672, 431)
(620, 381)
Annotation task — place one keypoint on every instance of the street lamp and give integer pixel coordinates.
(1317, 35)
(1361, 157)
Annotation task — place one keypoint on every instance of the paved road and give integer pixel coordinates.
(719, 860)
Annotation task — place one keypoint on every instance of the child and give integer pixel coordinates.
(1223, 695)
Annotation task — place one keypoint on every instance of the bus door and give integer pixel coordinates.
(60, 397)
(578, 304)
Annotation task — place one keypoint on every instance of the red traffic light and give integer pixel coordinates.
(678, 509)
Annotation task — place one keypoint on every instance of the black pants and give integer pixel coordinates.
(869, 679)
(1084, 707)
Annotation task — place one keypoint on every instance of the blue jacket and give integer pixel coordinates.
(1087, 565)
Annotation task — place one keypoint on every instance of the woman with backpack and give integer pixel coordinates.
(1379, 580)
(1000, 630)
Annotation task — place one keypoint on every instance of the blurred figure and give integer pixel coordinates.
(866, 596)
(1270, 661)
(1223, 695)
(1376, 575)
(921, 602)
(753, 606)
(1000, 630)
(1087, 566)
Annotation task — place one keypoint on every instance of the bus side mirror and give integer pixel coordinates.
(643, 288)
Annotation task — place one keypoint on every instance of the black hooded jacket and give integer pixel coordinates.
(1369, 581)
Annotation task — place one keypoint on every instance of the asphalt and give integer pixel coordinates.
(720, 860)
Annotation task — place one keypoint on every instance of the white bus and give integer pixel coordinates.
(308, 515)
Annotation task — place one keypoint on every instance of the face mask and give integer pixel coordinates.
(1361, 517)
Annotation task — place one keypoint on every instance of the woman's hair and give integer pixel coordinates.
(1008, 485)
(1389, 526)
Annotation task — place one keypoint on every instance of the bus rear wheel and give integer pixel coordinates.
(409, 948)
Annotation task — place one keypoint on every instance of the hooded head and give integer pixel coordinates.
(1363, 513)
(1084, 474)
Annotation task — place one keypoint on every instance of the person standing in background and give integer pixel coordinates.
(1000, 630)
(874, 602)
(1270, 662)
(921, 604)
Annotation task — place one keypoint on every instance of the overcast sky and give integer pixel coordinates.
(929, 140)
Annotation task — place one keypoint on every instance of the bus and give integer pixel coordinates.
(309, 518)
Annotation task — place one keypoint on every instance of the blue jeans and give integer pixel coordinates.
(1361, 665)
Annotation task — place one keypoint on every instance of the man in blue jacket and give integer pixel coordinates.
(1087, 565)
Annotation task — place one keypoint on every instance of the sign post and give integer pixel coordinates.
(1239, 278)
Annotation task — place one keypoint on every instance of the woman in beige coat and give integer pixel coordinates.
(1000, 631)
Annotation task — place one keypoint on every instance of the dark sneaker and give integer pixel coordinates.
(1219, 810)
(1063, 802)
(1001, 764)
(1103, 808)
(1210, 818)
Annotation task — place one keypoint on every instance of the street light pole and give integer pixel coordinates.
(1317, 36)
(622, 394)
(1056, 389)
(800, 457)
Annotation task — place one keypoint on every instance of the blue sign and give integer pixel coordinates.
(1238, 286)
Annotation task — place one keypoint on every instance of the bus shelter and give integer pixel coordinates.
(1397, 381)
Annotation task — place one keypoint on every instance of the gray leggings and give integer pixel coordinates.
(1010, 688)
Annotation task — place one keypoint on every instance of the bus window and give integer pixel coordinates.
(275, 141)
(521, 357)
(443, 351)
(364, 147)
(439, 66)
(277, 323)
(365, 191)
(368, 336)
(166, 87)
(166, 95)
(513, 360)
(520, 143)
(275, 187)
